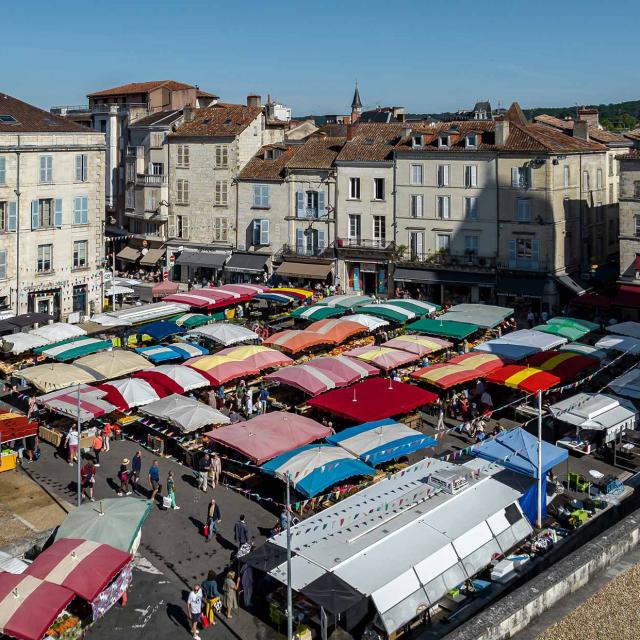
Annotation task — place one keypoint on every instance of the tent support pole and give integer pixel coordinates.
(78, 450)
(539, 519)
(289, 592)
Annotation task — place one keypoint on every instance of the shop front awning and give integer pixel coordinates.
(572, 284)
(152, 257)
(520, 286)
(311, 270)
(444, 276)
(201, 259)
(628, 295)
(128, 254)
(247, 262)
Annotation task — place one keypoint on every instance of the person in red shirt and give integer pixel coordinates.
(98, 442)
(106, 434)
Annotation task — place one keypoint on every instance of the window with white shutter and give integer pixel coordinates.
(3, 171)
(183, 159)
(261, 196)
(416, 244)
(81, 210)
(471, 176)
(46, 169)
(417, 174)
(221, 191)
(220, 229)
(182, 196)
(443, 175)
(81, 167)
(222, 156)
(444, 207)
(3, 265)
(417, 202)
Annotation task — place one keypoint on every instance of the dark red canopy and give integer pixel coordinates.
(373, 399)
(14, 427)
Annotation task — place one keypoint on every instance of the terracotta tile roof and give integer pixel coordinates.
(205, 94)
(30, 119)
(515, 114)
(634, 154)
(599, 135)
(259, 168)
(318, 152)
(633, 135)
(547, 139)
(219, 121)
(141, 87)
(457, 131)
(371, 142)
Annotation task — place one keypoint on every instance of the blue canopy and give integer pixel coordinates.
(518, 450)
(380, 441)
(159, 330)
(315, 467)
(166, 352)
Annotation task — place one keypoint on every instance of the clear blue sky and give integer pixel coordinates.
(428, 55)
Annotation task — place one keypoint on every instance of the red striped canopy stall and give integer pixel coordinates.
(337, 330)
(213, 298)
(173, 378)
(445, 375)
(14, 426)
(527, 379)
(481, 363)
(29, 606)
(373, 399)
(294, 341)
(84, 567)
(564, 364)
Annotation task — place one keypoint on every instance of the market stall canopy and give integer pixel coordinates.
(596, 412)
(117, 290)
(113, 364)
(627, 385)
(348, 301)
(419, 307)
(294, 341)
(165, 288)
(58, 375)
(568, 332)
(191, 299)
(518, 450)
(244, 289)
(481, 363)
(138, 315)
(384, 357)
(28, 319)
(315, 467)
(391, 312)
(128, 393)
(322, 374)
(381, 441)
(185, 413)
(224, 333)
(445, 375)
(175, 378)
(373, 399)
(298, 294)
(29, 606)
(520, 344)
(17, 343)
(420, 345)
(269, 435)
(128, 254)
(311, 270)
(93, 402)
(316, 312)
(247, 262)
(629, 328)
(193, 320)
(578, 323)
(564, 364)
(159, 330)
(199, 259)
(483, 315)
(585, 349)
(178, 351)
(115, 521)
(152, 257)
(73, 348)
(280, 298)
(372, 323)
(338, 330)
(82, 566)
(14, 426)
(445, 328)
(528, 379)
(58, 331)
(623, 344)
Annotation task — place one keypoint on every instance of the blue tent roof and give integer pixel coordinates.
(315, 467)
(380, 441)
(159, 330)
(167, 352)
(518, 450)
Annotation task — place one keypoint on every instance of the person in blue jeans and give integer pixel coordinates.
(213, 518)
(154, 480)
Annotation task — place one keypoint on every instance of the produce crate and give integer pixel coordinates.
(50, 435)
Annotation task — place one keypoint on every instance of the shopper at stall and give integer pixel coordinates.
(241, 532)
(136, 470)
(230, 590)
(71, 443)
(216, 470)
(154, 480)
(211, 596)
(97, 447)
(123, 476)
(213, 518)
(203, 476)
(88, 478)
(248, 403)
(263, 398)
(171, 490)
(194, 609)
(106, 434)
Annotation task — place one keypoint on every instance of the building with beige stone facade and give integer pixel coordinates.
(630, 219)
(51, 213)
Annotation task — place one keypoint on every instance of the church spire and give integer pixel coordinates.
(356, 105)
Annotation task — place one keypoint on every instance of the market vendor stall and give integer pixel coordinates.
(527, 379)
(392, 312)
(58, 331)
(373, 399)
(630, 329)
(385, 358)
(13, 426)
(175, 378)
(483, 315)
(129, 393)
(50, 377)
(158, 330)
(92, 404)
(521, 344)
(338, 330)
(380, 441)
(420, 345)
(298, 294)
(243, 289)
(372, 323)
(419, 307)
(193, 320)
(138, 315)
(315, 467)
(585, 349)
(17, 343)
(317, 312)
(627, 385)
(348, 301)
(72, 348)
(294, 341)
(177, 351)
(458, 370)
(185, 413)
(564, 364)
(113, 364)
(225, 334)
(266, 436)
(622, 344)
(445, 328)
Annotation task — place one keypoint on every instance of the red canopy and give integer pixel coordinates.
(83, 566)
(269, 435)
(593, 300)
(373, 399)
(29, 606)
(628, 295)
(528, 379)
(14, 427)
(564, 364)
(165, 288)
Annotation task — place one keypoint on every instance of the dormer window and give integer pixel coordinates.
(272, 154)
(417, 141)
(472, 141)
(444, 141)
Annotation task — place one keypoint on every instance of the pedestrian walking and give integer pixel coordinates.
(241, 390)
(211, 596)
(171, 490)
(530, 319)
(194, 609)
(97, 447)
(213, 518)
(71, 443)
(203, 476)
(154, 480)
(136, 470)
(249, 402)
(106, 432)
(123, 476)
(241, 532)
(88, 478)
(216, 469)
(221, 396)
(230, 591)
(245, 575)
(263, 398)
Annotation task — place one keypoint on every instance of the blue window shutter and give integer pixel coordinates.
(264, 232)
(76, 209)
(535, 251)
(322, 210)
(299, 240)
(12, 217)
(57, 213)
(3, 170)
(300, 204)
(512, 250)
(35, 214)
(3, 265)
(256, 232)
(267, 195)
(85, 210)
(321, 244)
(78, 168)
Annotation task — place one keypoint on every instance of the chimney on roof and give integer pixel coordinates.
(398, 113)
(581, 130)
(502, 132)
(351, 131)
(405, 132)
(590, 116)
(188, 112)
(253, 100)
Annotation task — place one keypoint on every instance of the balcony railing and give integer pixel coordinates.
(151, 179)
(64, 110)
(524, 264)
(441, 260)
(362, 243)
(303, 250)
(106, 108)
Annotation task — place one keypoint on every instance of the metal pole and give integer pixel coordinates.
(113, 275)
(289, 591)
(539, 520)
(18, 194)
(79, 451)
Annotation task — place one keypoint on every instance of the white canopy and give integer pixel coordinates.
(482, 315)
(623, 344)
(224, 333)
(113, 364)
(521, 344)
(135, 392)
(117, 290)
(17, 343)
(627, 385)
(58, 331)
(185, 413)
(371, 322)
(186, 378)
(630, 328)
(141, 313)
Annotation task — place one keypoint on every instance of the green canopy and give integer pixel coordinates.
(574, 322)
(316, 312)
(570, 333)
(73, 348)
(345, 301)
(417, 306)
(445, 328)
(391, 312)
(193, 320)
(115, 521)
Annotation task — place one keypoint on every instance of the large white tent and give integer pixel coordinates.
(224, 333)
(521, 344)
(185, 413)
(482, 315)
(623, 344)
(139, 314)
